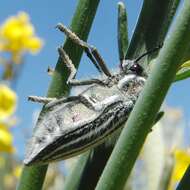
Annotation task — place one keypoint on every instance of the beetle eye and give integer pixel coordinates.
(136, 68)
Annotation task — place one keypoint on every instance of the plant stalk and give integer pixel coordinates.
(140, 122)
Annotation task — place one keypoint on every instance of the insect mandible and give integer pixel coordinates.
(74, 124)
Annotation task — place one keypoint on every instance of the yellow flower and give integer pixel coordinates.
(17, 35)
(182, 160)
(7, 101)
(6, 140)
(34, 44)
(17, 171)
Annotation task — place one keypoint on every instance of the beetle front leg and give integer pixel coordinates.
(71, 67)
(90, 51)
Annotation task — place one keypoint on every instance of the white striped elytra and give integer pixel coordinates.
(71, 125)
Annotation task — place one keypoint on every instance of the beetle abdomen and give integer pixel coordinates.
(74, 141)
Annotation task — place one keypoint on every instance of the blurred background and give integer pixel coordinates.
(25, 55)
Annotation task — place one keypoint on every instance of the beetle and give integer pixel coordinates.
(74, 124)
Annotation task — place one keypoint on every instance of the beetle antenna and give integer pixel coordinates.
(149, 52)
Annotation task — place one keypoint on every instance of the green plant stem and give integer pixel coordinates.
(32, 178)
(88, 169)
(152, 26)
(76, 173)
(139, 124)
(122, 31)
(96, 160)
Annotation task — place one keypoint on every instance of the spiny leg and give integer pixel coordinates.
(50, 102)
(61, 101)
(39, 99)
(91, 52)
(72, 69)
(89, 102)
(100, 61)
(98, 106)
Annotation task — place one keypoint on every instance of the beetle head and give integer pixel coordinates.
(132, 67)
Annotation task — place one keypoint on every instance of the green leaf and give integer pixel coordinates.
(182, 74)
(32, 178)
(184, 71)
(140, 122)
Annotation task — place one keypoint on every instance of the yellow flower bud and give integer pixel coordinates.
(6, 140)
(17, 171)
(8, 100)
(181, 162)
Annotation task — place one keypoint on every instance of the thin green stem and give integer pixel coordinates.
(152, 26)
(32, 178)
(122, 31)
(97, 158)
(76, 173)
(139, 124)
(89, 166)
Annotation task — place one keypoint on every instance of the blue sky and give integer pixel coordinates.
(45, 15)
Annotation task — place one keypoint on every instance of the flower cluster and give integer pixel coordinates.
(8, 100)
(17, 36)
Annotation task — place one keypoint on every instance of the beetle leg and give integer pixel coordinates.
(71, 67)
(40, 99)
(75, 82)
(98, 106)
(61, 101)
(51, 102)
(90, 51)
